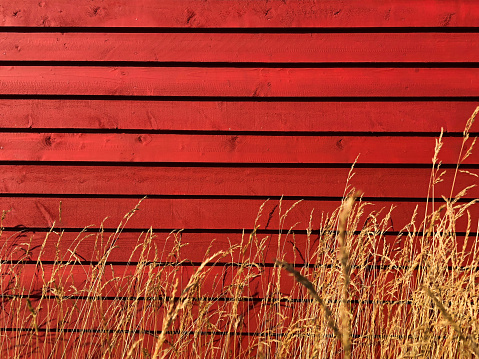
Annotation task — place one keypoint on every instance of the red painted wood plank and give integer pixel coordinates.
(214, 281)
(224, 148)
(295, 248)
(237, 47)
(143, 315)
(217, 13)
(124, 280)
(90, 344)
(253, 317)
(233, 181)
(230, 82)
(88, 246)
(388, 116)
(191, 213)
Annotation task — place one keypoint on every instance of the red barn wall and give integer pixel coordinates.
(211, 107)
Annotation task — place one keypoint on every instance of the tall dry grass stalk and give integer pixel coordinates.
(356, 291)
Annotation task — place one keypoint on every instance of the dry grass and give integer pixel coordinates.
(355, 295)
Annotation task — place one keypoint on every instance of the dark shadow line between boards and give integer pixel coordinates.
(190, 264)
(233, 165)
(381, 199)
(155, 333)
(273, 99)
(90, 230)
(256, 300)
(138, 131)
(241, 30)
(241, 65)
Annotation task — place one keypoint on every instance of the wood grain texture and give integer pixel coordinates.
(241, 47)
(228, 181)
(250, 14)
(114, 147)
(286, 116)
(194, 213)
(231, 82)
(92, 246)
(295, 248)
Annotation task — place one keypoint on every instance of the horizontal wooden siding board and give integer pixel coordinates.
(249, 14)
(285, 116)
(295, 247)
(242, 82)
(193, 213)
(227, 181)
(218, 281)
(241, 47)
(225, 148)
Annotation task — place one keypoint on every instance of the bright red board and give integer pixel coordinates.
(241, 48)
(242, 14)
(242, 82)
(288, 116)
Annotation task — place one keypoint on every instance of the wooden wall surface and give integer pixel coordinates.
(212, 107)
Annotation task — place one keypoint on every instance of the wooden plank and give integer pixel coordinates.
(54, 345)
(365, 116)
(90, 344)
(92, 246)
(231, 181)
(294, 248)
(224, 148)
(241, 47)
(247, 82)
(124, 281)
(218, 13)
(194, 213)
(251, 317)
(120, 281)
(211, 282)
(81, 314)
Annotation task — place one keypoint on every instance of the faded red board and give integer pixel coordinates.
(231, 181)
(195, 213)
(238, 13)
(241, 47)
(365, 116)
(243, 82)
(225, 148)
